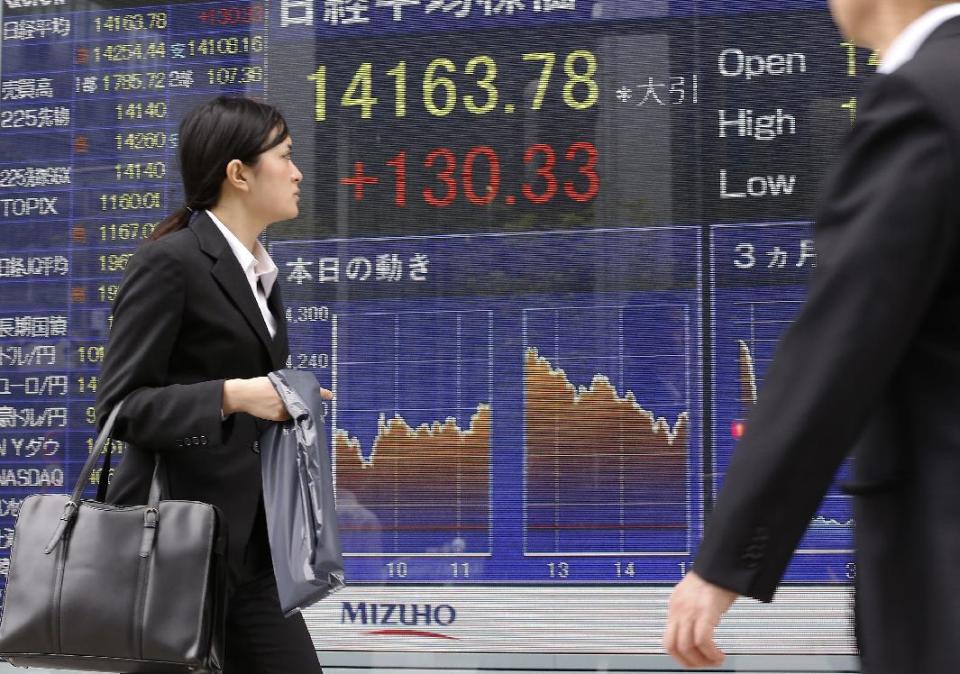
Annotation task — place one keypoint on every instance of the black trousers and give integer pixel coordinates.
(259, 639)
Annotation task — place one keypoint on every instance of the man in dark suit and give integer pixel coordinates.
(872, 365)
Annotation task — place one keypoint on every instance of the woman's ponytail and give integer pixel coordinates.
(179, 219)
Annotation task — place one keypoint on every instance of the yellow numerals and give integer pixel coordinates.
(549, 59)
(850, 52)
(360, 91)
(399, 73)
(319, 79)
(587, 79)
(476, 89)
(117, 23)
(851, 107)
(433, 82)
(486, 83)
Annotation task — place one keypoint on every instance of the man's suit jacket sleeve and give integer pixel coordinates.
(886, 235)
(147, 316)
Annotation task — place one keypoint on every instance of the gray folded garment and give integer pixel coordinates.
(298, 496)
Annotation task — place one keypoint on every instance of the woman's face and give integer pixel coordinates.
(275, 184)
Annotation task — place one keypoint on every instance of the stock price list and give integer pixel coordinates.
(90, 99)
(442, 140)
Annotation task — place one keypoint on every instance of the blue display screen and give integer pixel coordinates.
(546, 249)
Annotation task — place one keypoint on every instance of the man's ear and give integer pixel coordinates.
(236, 175)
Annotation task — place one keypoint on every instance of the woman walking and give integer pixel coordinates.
(197, 324)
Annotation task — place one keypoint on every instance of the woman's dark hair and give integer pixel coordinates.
(211, 136)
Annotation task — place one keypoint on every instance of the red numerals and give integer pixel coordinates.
(545, 171)
(445, 176)
(588, 170)
(493, 181)
(399, 165)
(479, 176)
(233, 16)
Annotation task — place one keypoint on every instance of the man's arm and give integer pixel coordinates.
(887, 235)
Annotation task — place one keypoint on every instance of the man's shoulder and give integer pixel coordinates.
(933, 72)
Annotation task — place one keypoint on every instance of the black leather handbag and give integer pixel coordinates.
(108, 588)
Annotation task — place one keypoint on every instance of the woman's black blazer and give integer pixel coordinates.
(184, 320)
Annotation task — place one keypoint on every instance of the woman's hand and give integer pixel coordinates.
(255, 396)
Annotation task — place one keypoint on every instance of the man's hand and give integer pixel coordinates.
(693, 615)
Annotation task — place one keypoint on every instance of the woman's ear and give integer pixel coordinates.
(236, 175)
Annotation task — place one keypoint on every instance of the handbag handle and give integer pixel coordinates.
(94, 457)
(151, 515)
